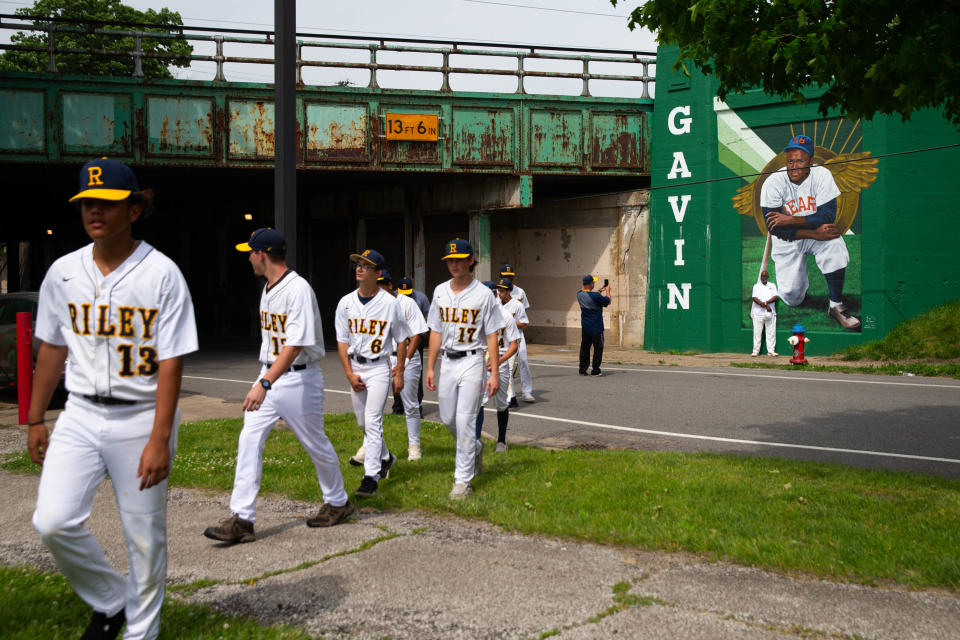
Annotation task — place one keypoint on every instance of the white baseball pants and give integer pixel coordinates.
(770, 322)
(297, 397)
(88, 442)
(368, 408)
(458, 394)
(790, 259)
(408, 395)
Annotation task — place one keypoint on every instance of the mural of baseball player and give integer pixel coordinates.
(805, 202)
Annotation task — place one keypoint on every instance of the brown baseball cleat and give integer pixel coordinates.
(839, 313)
(330, 515)
(233, 530)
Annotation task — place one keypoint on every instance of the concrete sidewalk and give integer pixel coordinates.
(410, 575)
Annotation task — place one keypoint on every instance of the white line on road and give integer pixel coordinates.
(671, 434)
(759, 375)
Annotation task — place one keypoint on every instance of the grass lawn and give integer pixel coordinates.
(828, 520)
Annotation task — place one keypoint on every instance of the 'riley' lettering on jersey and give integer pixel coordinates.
(459, 316)
(89, 321)
(368, 326)
(276, 322)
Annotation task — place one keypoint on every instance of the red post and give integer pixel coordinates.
(24, 363)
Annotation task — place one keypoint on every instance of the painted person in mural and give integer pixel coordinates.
(805, 203)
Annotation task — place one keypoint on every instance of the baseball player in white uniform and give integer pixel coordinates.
(368, 321)
(122, 312)
(411, 371)
(515, 319)
(763, 312)
(463, 315)
(520, 364)
(800, 206)
(289, 386)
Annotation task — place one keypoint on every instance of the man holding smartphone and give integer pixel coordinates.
(591, 323)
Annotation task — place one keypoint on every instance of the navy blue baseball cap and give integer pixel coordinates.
(589, 279)
(458, 248)
(369, 256)
(106, 179)
(384, 276)
(490, 284)
(265, 239)
(802, 142)
(405, 286)
(507, 270)
(505, 283)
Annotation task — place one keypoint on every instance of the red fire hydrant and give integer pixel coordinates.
(797, 340)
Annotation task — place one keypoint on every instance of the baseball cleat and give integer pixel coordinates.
(413, 452)
(357, 459)
(233, 530)
(368, 487)
(386, 465)
(839, 313)
(330, 515)
(513, 402)
(528, 397)
(102, 627)
(501, 447)
(460, 491)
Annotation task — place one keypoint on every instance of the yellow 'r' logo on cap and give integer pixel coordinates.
(453, 247)
(367, 252)
(95, 173)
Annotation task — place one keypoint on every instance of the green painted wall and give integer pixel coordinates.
(704, 255)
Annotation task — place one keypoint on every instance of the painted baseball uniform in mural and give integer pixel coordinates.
(817, 191)
(117, 329)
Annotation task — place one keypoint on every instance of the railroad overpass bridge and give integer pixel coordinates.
(398, 169)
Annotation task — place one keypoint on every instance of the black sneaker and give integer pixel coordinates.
(386, 465)
(103, 628)
(583, 373)
(233, 530)
(330, 515)
(368, 487)
(513, 402)
(597, 374)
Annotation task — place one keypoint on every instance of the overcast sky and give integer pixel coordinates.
(566, 23)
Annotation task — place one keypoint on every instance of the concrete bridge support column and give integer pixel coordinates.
(480, 239)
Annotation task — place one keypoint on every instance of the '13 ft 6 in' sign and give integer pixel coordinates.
(412, 126)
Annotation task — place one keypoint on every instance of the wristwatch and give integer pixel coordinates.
(265, 384)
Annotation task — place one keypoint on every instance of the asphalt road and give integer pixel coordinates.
(868, 421)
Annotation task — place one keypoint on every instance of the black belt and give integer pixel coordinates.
(296, 367)
(363, 360)
(456, 355)
(108, 400)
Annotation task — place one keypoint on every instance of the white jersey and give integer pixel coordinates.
(799, 199)
(370, 329)
(117, 328)
(519, 294)
(289, 315)
(464, 319)
(412, 316)
(510, 332)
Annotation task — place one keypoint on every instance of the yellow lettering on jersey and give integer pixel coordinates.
(86, 318)
(103, 317)
(473, 315)
(72, 308)
(273, 322)
(282, 319)
(148, 316)
(126, 321)
(383, 326)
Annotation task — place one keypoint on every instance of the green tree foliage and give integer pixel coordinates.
(84, 38)
(881, 56)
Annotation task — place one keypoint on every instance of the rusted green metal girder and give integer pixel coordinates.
(52, 118)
